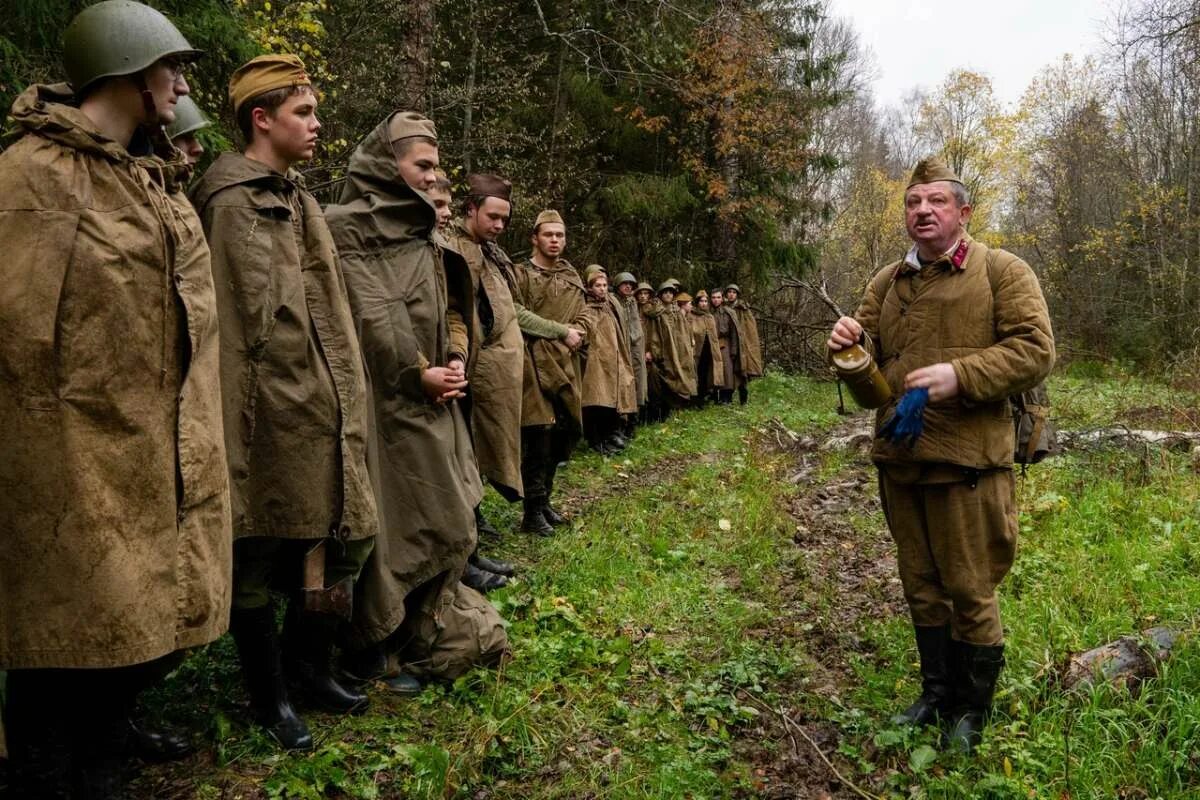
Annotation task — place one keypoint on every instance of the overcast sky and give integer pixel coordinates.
(917, 43)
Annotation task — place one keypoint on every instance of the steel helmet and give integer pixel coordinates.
(119, 37)
(668, 284)
(625, 277)
(645, 286)
(188, 118)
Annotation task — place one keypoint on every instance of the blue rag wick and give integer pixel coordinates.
(908, 420)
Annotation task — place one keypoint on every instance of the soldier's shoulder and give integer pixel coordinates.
(37, 173)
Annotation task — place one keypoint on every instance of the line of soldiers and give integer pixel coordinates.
(214, 391)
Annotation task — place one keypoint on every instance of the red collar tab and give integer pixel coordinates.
(960, 255)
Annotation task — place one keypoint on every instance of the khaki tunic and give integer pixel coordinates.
(552, 372)
(637, 346)
(949, 500)
(497, 364)
(114, 497)
(291, 370)
(608, 379)
(729, 339)
(750, 347)
(669, 341)
(402, 286)
(704, 334)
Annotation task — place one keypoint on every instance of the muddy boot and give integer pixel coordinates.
(483, 527)
(157, 744)
(977, 670)
(257, 641)
(490, 565)
(39, 748)
(933, 646)
(481, 580)
(549, 513)
(308, 639)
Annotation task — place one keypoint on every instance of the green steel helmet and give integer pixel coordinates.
(645, 286)
(733, 287)
(188, 118)
(668, 284)
(673, 282)
(625, 277)
(119, 37)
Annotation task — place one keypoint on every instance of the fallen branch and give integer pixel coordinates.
(1125, 661)
(789, 725)
(1170, 440)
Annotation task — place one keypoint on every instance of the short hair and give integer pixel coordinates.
(400, 147)
(960, 193)
(268, 101)
(442, 184)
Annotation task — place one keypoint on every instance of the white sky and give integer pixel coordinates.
(918, 42)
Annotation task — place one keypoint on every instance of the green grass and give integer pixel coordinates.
(643, 636)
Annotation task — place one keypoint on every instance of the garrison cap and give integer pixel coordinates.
(626, 277)
(683, 297)
(407, 124)
(266, 74)
(701, 293)
(931, 170)
(481, 184)
(549, 215)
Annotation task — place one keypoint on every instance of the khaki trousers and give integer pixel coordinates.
(955, 542)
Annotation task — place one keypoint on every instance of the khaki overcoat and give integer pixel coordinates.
(552, 371)
(731, 359)
(749, 344)
(637, 346)
(114, 497)
(669, 341)
(497, 364)
(999, 345)
(401, 287)
(608, 378)
(704, 335)
(292, 379)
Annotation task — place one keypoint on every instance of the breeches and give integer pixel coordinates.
(263, 562)
(954, 544)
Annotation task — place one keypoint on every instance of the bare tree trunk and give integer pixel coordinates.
(415, 52)
(469, 112)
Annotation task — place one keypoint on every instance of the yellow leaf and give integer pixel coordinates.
(1007, 767)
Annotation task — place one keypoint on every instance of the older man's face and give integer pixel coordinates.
(933, 217)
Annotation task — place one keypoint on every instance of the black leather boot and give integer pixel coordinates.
(977, 670)
(156, 744)
(308, 639)
(101, 754)
(933, 646)
(481, 580)
(534, 521)
(483, 527)
(253, 631)
(490, 565)
(548, 511)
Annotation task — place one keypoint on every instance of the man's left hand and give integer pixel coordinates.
(939, 379)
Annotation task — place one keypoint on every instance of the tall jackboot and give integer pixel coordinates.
(743, 395)
(535, 457)
(100, 751)
(39, 747)
(933, 646)
(551, 515)
(308, 639)
(257, 641)
(483, 527)
(977, 669)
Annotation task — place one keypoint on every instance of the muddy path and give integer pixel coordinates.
(844, 579)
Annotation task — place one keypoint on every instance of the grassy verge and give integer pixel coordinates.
(726, 567)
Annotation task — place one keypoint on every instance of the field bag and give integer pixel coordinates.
(1036, 433)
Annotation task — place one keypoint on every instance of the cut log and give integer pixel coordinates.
(1126, 661)
(1124, 437)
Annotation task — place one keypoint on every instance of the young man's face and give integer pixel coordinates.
(731, 295)
(550, 239)
(702, 303)
(441, 204)
(667, 295)
(292, 127)
(418, 163)
(191, 147)
(486, 222)
(599, 287)
(625, 289)
(643, 295)
(717, 299)
(166, 84)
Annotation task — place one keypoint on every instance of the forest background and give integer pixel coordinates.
(738, 140)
